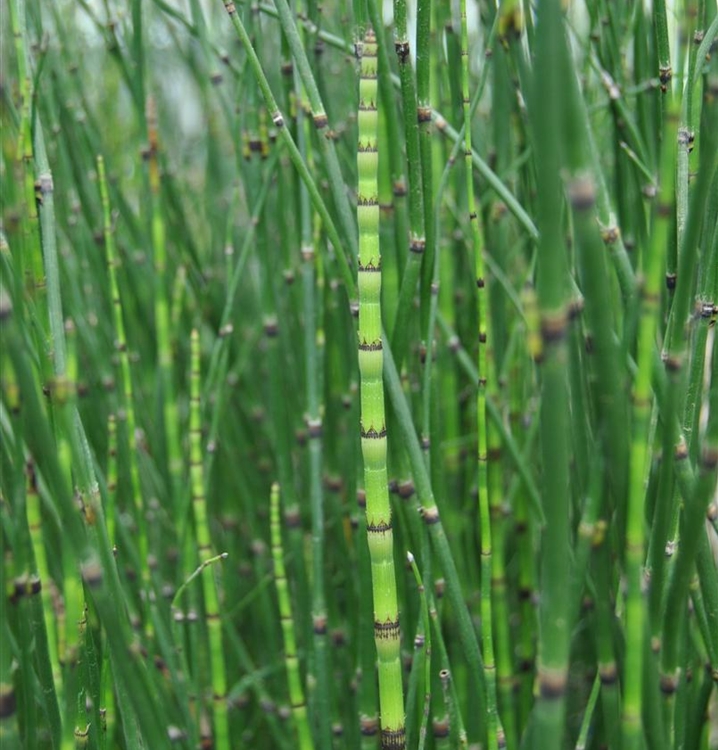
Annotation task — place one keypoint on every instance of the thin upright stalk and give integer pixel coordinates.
(125, 376)
(312, 287)
(204, 552)
(296, 691)
(417, 238)
(373, 422)
(631, 728)
(494, 730)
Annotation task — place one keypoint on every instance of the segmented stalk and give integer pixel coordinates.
(642, 401)
(111, 477)
(34, 522)
(417, 237)
(296, 691)
(128, 400)
(204, 551)
(312, 289)
(495, 733)
(372, 420)
(70, 641)
(162, 314)
(554, 426)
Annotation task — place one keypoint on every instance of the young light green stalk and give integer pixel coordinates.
(204, 551)
(632, 732)
(372, 420)
(125, 385)
(162, 313)
(296, 691)
(495, 732)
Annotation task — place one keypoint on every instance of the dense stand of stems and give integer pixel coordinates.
(572, 590)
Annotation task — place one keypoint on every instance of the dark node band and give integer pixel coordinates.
(319, 624)
(369, 726)
(582, 194)
(553, 329)
(608, 673)
(709, 458)
(271, 328)
(379, 528)
(92, 574)
(314, 428)
(386, 631)
(402, 51)
(371, 266)
(373, 434)
(669, 684)
(552, 687)
(8, 702)
(417, 246)
(292, 518)
(673, 364)
(430, 515)
(423, 114)
(405, 489)
(373, 346)
(610, 235)
(393, 739)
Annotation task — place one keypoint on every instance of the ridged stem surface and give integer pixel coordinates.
(204, 551)
(373, 422)
(294, 678)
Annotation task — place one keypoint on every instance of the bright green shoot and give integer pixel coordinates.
(373, 423)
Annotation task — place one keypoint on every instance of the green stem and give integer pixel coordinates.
(296, 691)
(204, 552)
(650, 295)
(373, 421)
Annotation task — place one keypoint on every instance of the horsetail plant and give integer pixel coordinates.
(296, 691)
(494, 730)
(125, 376)
(204, 552)
(380, 537)
(567, 590)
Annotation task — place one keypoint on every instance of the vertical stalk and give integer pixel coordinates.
(170, 413)
(312, 286)
(296, 691)
(635, 535)
(54, 698)
(552, 273)
(204, 551)
(372, 419)
(495, 732)
(125, 386)
(417, 238)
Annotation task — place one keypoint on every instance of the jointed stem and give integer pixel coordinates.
(495, 732)
(296, 691)
(204, 549)
(373, 423)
